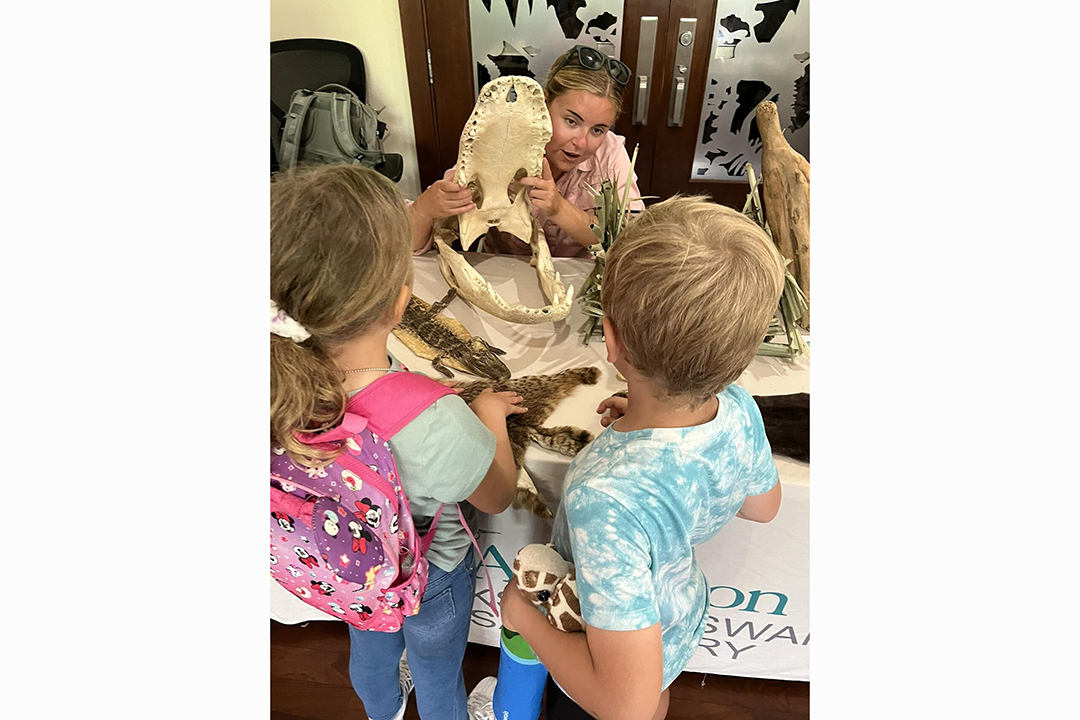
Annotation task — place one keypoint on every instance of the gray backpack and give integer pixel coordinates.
(332, 125)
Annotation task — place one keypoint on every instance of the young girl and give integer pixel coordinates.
(341, 271)
(584, 98)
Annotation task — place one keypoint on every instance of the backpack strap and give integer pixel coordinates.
(342, 100)
(350, 424)
(337, 87)
(480, 559)
(372, 130)
(297, 507)
(394, 400)
(294, 127)
(429, 536)
(340, 106)
(425, 543)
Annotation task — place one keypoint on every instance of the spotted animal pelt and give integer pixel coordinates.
(540, 393)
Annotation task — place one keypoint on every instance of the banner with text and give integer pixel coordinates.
(759, 589)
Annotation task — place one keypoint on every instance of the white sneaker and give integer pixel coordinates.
(479, 701)
(405, 677)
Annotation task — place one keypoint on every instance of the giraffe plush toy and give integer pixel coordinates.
(550, 583)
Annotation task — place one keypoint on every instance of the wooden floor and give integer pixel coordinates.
(309, 680)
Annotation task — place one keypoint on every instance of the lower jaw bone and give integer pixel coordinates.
(471, 286)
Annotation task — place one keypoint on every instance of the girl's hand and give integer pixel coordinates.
(452, 384)
(543, 192)
(444, 198)
(616, 404)
(498, 404)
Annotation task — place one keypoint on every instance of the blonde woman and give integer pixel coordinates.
(584, 98)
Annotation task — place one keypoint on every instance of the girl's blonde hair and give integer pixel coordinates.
(339, 255)
(574, 77)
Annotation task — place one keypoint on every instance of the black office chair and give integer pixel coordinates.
(310, 63)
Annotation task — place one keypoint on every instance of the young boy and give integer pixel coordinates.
(688, 292)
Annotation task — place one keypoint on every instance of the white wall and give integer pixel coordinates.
(374, 26)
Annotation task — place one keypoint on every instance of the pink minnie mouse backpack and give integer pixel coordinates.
(341, 537)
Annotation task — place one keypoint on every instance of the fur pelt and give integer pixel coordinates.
(787, 423)
(540, 393)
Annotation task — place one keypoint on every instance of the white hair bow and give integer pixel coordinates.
(283, 325)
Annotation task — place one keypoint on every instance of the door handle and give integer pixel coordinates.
(646, 49)
(641, 101)
(684, 55)
(680, 102)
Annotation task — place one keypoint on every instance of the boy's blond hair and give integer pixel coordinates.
(340, 252)
(691, 287)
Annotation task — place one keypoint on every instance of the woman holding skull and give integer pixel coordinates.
(584, 98)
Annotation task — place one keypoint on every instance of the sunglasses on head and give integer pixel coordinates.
(592, 59)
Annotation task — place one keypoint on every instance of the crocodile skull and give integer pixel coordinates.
(503, 141)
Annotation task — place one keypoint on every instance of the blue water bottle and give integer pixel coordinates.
(519, 689)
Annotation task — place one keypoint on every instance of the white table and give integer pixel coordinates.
(758, 574)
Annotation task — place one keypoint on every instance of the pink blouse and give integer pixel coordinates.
(611, 162)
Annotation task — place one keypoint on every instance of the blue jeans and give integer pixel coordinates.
(435, 638)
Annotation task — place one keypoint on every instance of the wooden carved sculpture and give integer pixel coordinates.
(785, 175)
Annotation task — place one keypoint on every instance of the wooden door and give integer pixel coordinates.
(443, 80)
(672, 157)
(666, 149)
(740, 53)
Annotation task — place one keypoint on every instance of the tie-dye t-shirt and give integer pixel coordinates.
(636, 503)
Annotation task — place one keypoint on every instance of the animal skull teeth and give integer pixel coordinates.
(503, 141)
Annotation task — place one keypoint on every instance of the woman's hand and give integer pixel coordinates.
(543, 192)
(616, 404)
(444, 198)
(498, 404)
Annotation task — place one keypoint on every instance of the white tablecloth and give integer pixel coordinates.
(758, 574)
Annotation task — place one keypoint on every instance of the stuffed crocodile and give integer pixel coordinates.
(446, 342)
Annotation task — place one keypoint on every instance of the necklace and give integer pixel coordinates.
(374, 369)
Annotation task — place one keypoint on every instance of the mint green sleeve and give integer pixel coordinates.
(445, 451)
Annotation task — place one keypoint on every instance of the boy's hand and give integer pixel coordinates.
(543, 193)
(445, 198)
(498, 404)
(616, 404)
(512, 604)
